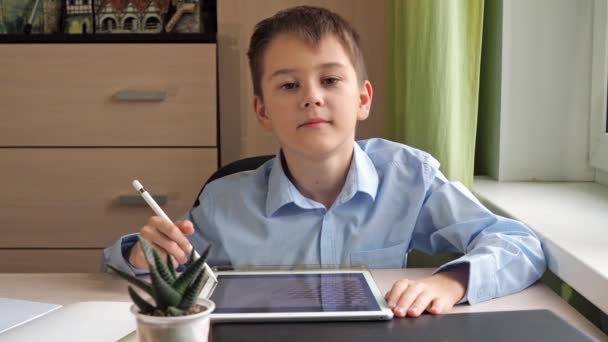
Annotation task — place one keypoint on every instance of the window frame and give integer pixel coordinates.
(598, 135)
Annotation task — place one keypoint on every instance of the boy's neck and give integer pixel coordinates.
(320, 179)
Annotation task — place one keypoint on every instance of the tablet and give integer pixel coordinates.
(297, 295)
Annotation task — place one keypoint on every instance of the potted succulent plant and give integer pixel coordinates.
(177, 314)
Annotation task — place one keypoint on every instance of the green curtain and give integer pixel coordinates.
(434, 53)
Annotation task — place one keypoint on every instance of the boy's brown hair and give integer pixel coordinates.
(309, 23)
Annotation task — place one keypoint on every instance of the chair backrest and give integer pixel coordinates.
(240, 165)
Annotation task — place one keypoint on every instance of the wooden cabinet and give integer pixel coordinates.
(78, 123)
(108, 95)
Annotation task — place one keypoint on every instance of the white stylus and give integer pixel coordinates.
(158, 211)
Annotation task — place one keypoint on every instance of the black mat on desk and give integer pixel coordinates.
(508, 326)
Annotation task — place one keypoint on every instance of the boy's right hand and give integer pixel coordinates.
(166, 238)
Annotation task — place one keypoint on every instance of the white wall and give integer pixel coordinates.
(598, 142)
(546, 80)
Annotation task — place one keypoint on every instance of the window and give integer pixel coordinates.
(108, 24)
(129, 24)
(598, 129)
(153, 24)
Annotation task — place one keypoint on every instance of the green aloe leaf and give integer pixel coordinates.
(191, 272)
(133, 280)
(192, 253)
(170, 266)
(193, 291)
(148, 254)
(173, 311)
(206, 252)
(163, 269)
(165, 295)
(173, 294)
(142, 304)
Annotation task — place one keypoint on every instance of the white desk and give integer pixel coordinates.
(571, 219)
(71, 288)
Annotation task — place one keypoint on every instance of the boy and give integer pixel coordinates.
(326, 199)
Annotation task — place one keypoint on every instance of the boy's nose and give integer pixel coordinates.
(317, 103)
(312, 97)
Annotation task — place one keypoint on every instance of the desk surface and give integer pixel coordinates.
(75, 287)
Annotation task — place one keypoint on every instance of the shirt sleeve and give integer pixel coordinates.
(503, 255)
(115, 255)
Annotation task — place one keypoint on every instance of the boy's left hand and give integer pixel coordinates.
(436, 294)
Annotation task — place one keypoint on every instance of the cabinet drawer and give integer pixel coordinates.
(68, 95)
(50, 260)
(71, 198)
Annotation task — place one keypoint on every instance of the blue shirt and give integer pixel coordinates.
(394, 200)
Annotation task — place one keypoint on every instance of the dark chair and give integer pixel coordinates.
(240, 165)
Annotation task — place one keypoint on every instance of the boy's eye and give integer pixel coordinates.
(289, 86)
(330, 80)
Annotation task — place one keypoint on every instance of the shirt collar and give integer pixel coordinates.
(280, 190)
(362, 177)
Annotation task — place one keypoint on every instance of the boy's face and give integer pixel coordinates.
(311, 96)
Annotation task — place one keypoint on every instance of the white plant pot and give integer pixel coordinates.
(190, 328)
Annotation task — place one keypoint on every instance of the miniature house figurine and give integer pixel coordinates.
(130, 16)
(79, 16)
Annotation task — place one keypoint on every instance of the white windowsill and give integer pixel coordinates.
(571, 218)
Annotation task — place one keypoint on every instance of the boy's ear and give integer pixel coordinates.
(365, 100)
(260, 112)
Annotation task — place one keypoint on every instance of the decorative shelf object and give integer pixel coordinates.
(108, 21)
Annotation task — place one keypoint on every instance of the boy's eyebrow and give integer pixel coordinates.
(321, 66)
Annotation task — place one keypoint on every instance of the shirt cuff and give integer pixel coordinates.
(453, 264)
(115, 255)
(482, 284)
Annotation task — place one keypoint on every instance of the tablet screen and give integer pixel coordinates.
(265, 293)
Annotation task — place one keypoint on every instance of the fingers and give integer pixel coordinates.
(395, 292)
(163, 255)
(171, 231)
(137, 258)
(420, 304)
(439, 306)
(186, 227)
(167, 238)
(412, 298)
(163, 244)
(403, 306)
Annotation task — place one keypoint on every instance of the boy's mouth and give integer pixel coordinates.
(312, 123)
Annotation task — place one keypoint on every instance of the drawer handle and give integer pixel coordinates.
(129, 95)
(138, 201)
